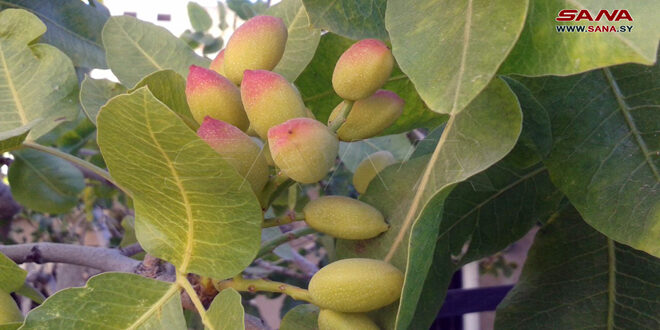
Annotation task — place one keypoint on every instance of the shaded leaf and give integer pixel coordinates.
(472, 141)
(37, 81)
(170, 88)
(352, 19)
(541, 50)
(12, 277)
(440, 45)
(94, 93)
(302, 40)
(606, 131)
(72, 26)
(136, 48)
(301, 317)
(226, 311)
(188, 200)
(315, 84)
(114, 300)
(199, 18)
(31, 293)
(13, 138)
(352, 153)
(43, 182)
(575, 277)
(246, 9)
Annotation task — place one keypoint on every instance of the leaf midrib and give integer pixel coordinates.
(625, 111)
(12, 89)
(174, 288)
(186, 203)
(466, 46)
(44, 178)
(139, 47)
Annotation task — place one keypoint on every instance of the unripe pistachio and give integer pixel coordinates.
(370, 167)
(344, 217)
(362, 69)
(356, 285)
(9, 312)
(332, 320)
(303, 148)
(269, 100)
(218, 63)
(238, 149)
(369, 116)
(258, 44)
(210, 94)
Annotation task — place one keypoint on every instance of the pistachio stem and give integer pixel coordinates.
(71, 158)
(343, 114)
(270, 245)
(287, 218)
(239, 283)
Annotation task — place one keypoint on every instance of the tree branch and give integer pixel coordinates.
(103, 259)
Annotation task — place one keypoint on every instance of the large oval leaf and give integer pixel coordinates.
(543, 50)
(191, 207)
(44, 183)
(352, 19)
(73, 27)
(112, 301)
(606, 132)
(471, 141)
(574, 277)
(136, 48)
(302, 41)
(451, 49)
(37, 81)
(315, 84)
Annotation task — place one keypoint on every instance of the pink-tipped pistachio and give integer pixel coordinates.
(258, 44)
(303, 148)
(238, 149)
(210, 94)
(362, 69)
(269, 100)
(369, 116)
(218, 63)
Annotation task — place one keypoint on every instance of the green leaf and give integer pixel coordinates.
(442, 47)
(352, 153)
(302, 41)
(37, 81)
(12, 277)
(352, 19)
(73, 27)
(13, 138)
(226, 311)
(541, 50)
(10, 326)
(43, 182)
(94, 93)
(199, 18)
(111, 300)
(301, 317)
(575, 277)
(246, 9)
(191, 207)
(136, 48)
(31, 293)
(315, 84)
(170, 88)
(606, 131)
(472, 141)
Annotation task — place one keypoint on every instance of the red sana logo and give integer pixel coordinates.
(616, 15)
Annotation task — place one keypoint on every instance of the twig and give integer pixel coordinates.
(343, 115)
(269, 246)
(287, 218)
(240, 284)
(131, 250)
(103, 259)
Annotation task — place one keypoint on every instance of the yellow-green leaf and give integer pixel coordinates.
(191, 207)
(226, 311)
(12, 277)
